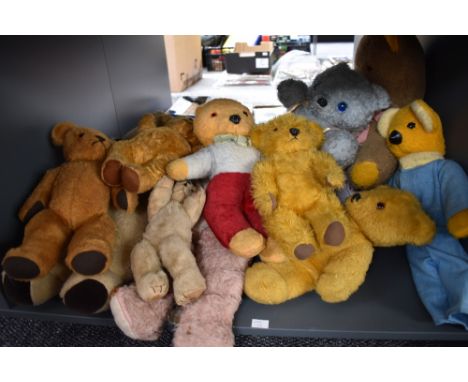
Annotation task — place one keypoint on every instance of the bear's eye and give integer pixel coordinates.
(342, 106)
(411, 125)
(275, 129)
(322, 102)
(245, 113)
(380, 205)
(80, 135)
(214, 114)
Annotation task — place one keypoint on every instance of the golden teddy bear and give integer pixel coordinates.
(294, 191)
(173, 209)
(137, 163)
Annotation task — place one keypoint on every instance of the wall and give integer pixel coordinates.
(101, 82)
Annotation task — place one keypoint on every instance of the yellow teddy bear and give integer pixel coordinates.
(294, 191)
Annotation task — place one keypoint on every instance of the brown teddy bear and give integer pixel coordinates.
(73, 204)
(137, 163)
(68, 210)
(173, 210)
(293, 189)
(223, 127)
(396, 63)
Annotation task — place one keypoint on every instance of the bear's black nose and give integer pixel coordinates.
(395, 138)
(100, 139)
(294, 132)
(322, 102)
(235, 118)
(357, 196)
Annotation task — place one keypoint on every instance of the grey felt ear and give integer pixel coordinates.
(382, 98)
(292, 92)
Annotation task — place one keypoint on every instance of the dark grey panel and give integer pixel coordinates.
(44, 80)
(447, 90)
(138, 76)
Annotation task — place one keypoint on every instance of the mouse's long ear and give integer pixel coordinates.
(59, 131)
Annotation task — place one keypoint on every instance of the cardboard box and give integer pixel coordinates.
(250, 59)
(184, 61)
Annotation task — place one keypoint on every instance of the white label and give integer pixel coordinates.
(262, 63)
(260, 324)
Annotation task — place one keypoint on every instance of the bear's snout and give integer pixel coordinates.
(395, 138)
(356, 197)
(235, 118)
(294, 131)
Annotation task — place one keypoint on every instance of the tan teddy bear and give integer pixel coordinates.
(137, 163)
(173, 209)
(223, 127)
(293, 188)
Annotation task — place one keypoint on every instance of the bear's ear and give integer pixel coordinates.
(428, 117)
(255, 136)
(59, 131)
(292, 92)
(384, 122)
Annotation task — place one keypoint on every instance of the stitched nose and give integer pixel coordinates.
(357, 196)
(395, 138)
(294, 132)
(235, 118)
(100, 139)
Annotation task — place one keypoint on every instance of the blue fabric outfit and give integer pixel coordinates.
(440, 269)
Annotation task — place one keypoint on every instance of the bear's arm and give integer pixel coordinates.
(329, 173)
(264, 189)
(195, 166)
(454, 191)
(40, 197)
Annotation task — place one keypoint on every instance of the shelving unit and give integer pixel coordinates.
(120, 78)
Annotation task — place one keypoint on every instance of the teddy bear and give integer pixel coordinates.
(206, 321)
(414, 134)
(138, 162)
(76, 196)
(67, 211)
(223, 127)
(84, 293)
(173, 209)
(396, 63)
(293, 188)
(342, 102)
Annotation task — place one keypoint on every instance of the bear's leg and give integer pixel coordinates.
(139, 319)
(225, 216)
(118, 156)
(274, 283)
(188, 282)
(292, 233)
(346, 269)
(37, 291)
(141, 178)
(90, 249)
(44, 238)
(89, 294)
(150, 279)
(208, 321)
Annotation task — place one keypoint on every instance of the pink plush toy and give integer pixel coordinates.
(205, 322)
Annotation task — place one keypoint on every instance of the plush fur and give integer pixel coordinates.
(207, 321)
(293, 188)
(342, 101)
(390, 217)
(173, 210)
(73, 214)
(396, 63)
(223, 126)
(137, 163)
(78, 191)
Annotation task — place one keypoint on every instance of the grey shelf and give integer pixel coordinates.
(385, 307)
